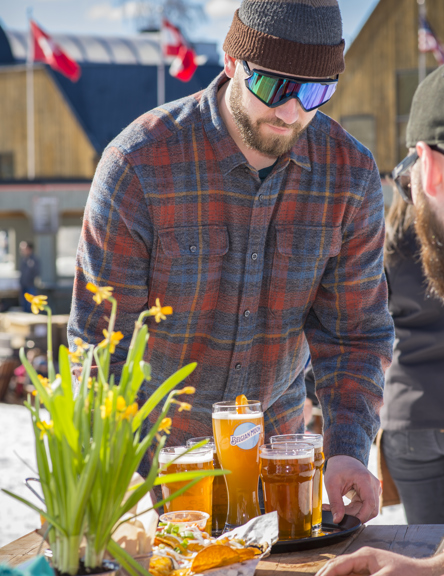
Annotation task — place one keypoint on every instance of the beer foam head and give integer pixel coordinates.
(287, 452)
(235, 416)
(199, 456)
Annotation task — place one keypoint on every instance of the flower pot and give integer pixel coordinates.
(108, 567)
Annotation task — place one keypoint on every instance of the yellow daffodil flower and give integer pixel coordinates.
(164, 426)
(77, 355)
(45, 427)
(121, 404)
(160, 312)
(46, 385)
(187, 390)
(38, 303)
(131, 411)
(106, 409)
(184, 406)
(113, 341)
(101, 293)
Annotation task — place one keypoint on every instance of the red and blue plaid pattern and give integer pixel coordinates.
(252, 270)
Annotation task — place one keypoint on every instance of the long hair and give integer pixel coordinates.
(400, 217)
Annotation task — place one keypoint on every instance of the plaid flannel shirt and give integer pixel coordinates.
(253, 270)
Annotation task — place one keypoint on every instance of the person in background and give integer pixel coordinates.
(420, 179)
(261, 222)
(29, 271)
(412, 417)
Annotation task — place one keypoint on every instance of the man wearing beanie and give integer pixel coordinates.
(260, 221)
(420, 179)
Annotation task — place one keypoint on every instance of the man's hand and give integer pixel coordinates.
(347, 476)
(382, 563)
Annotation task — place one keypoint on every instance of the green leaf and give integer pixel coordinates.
(162, 391)
(62, 414)
(45, 397)
(184, 476)
(126, 560)
(146, 369)
(65, 372)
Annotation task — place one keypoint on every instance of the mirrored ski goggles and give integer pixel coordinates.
(274, 90)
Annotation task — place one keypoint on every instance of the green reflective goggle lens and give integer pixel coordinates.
(274, 90)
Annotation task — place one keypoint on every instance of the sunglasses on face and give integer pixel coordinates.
(401, 175)
(274, 90)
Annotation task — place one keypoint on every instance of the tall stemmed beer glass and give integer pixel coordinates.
(238, 432)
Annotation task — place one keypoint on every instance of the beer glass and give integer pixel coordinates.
(238, 432)
(220, 496)
(198, 497)
(287, 472)
(316, 441)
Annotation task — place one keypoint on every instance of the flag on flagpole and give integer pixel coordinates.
(428, 41)
(185, 62)
(44, 49)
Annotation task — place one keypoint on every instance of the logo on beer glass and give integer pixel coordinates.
(246, 436)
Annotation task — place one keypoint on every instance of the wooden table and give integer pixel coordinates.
(414, 541)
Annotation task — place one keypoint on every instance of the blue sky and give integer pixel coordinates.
(111, 17)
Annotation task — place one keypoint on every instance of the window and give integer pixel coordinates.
(363, 128)
(6, 165)
(67, 240)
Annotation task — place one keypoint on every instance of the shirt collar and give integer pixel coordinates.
(226, 151)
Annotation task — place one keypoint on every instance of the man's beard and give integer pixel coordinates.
(430, 232)
(273, 146)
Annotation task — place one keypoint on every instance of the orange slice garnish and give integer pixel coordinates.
(241, 400)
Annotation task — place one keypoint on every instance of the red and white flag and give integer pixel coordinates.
(184, 64)
(428, 41)
(44, 49)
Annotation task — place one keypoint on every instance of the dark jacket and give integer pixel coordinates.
(29, 270)
(414, 389)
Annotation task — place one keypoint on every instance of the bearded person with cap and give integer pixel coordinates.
(260, 221)
(420, 180)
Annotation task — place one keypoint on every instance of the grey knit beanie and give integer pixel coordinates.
(298, 37)
(426, 121)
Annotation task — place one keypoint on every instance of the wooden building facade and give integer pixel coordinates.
(375, 92)
(62, 149)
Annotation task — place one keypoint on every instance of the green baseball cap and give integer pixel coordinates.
(426, 122)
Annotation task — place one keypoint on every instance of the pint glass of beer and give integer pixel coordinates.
(220, 496)
(287, 472)
(200, 496)
(238, 433)
(316, 441)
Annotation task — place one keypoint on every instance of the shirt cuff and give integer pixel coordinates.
(347, 440)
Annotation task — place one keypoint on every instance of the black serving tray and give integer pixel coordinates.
(329, 534)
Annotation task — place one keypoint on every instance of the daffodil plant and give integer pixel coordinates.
(91, 445)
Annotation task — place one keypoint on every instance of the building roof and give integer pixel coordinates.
(143, 48)
(118, 81)
(110, 96)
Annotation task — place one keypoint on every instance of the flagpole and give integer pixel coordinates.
(422, 56)
(161, 67)
(30, 126)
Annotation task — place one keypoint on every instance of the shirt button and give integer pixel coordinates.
(246, 170)
(193, 248)
(247, 313)
(261, 198)
(238, 366)
(254, 256)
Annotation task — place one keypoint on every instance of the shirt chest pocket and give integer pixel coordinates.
(188, 268)
(300, 256)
